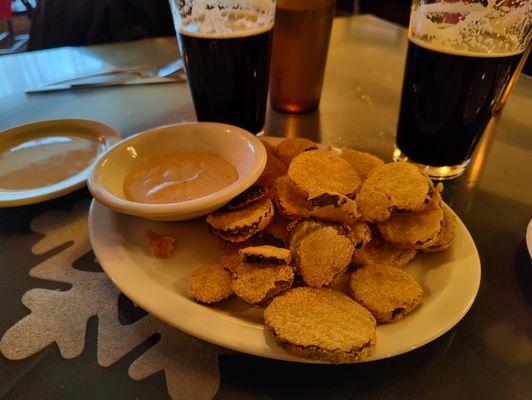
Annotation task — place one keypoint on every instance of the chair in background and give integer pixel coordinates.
(9, 41)
(346, 7)
(59, 23)
(396, 11)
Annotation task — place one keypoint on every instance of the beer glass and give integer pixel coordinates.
(300, 44)
(226, 46)
(461, 57)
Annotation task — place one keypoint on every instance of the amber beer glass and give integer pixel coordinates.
(226, 45)
(462, 58)
(300, 44)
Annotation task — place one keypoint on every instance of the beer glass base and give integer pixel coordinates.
(295, 108)
(437, 173)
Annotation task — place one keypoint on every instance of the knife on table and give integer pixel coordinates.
(171, 73)
(74, 86)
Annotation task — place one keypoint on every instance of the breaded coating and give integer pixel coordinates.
(287, 241)
(301, 230)
(233, 263)
(257, 285)
(273, 170)
(321, 324)
(289, 201)
(230, 257)
(323, 255)
(332, 207)
(240, 224)
(265, 255)
(394, 186)
(414, 228)
(372, 205)
(161, 245)
(363, 163)
(359, 233)
(290, 148)
(388, 293)
(323, 170)
(381, 252)
(278, 227)
(210, 284)
(251, 194)
(444, 239)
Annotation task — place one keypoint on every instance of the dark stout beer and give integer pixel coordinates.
(226, 46)
(447, 101)
(228, 77)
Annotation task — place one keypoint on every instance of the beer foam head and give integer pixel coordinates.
(492, 28)
(223, 18)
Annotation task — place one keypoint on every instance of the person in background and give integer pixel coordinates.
(58, 23)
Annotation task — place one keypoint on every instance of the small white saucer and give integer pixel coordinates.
(44, 160)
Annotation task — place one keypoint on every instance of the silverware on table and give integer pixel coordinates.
(140, 75)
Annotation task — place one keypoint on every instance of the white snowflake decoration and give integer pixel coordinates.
(190, 365)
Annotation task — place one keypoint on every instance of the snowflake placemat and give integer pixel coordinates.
(189, 364)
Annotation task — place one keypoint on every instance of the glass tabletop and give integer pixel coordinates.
(488, 354)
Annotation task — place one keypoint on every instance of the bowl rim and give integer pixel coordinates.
(221, 197)
(23, 197)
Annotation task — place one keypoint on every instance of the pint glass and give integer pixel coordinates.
(300, 44)
(226, 46)
(461, 57)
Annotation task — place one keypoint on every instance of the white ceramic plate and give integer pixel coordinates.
(450, 281)
(48, 159)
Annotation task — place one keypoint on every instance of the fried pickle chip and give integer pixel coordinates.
(161, 245)
(323, 255)
(373, 205)
(257, 285)
(445, 237)
(359, 233)
(289, 201)
(321, 324)
(363, 163)
(210, 284)
(388, 293)
(253, 193)
(323, 170)
(230, 257)
(265, 255)
(274, 168)
(240, 224)
(394, 186)
(290, 148)
(381, 252)
(414, 228)
(332, 207)
(278, 227)
(233, 263)
(300, 230)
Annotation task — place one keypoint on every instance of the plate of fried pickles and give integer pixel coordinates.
(332, 256)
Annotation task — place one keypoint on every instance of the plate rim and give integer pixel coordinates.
(59, 189)
(186, 327)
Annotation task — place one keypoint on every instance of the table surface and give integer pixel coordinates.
(487, 355)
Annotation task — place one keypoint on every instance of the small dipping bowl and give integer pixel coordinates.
(235, 145)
